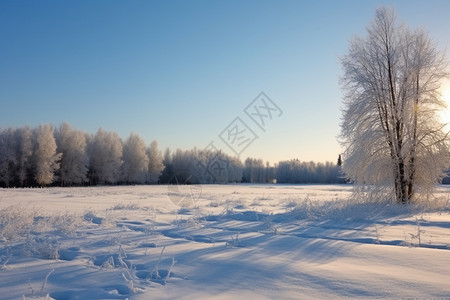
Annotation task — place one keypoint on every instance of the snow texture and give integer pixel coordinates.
(228, 242)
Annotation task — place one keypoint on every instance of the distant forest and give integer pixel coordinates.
(64, 156)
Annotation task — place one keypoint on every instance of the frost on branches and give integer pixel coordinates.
(391, 132)
(47, 160)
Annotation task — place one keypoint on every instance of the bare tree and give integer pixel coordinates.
(390, 129)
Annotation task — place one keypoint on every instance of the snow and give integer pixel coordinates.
(220, 242)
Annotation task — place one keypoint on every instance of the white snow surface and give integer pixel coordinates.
(220, 242)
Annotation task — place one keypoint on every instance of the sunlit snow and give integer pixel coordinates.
(228, 242)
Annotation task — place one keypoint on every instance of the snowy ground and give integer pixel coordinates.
(219, 242)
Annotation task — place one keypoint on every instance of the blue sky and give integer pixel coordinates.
(181, 71)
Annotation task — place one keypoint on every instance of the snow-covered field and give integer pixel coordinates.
(220, 242)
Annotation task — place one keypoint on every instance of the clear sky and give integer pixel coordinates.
(180, 72)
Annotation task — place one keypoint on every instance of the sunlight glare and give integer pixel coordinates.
(446, 96)
(445, 114)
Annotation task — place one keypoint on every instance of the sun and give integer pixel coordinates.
(445, 96)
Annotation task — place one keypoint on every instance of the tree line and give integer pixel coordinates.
(64, 156)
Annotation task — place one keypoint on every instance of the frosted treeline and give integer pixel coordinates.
(65, 156)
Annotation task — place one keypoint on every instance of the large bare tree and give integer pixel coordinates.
(391, 130)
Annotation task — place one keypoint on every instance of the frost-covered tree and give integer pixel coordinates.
(72, 144)
(24, 153)
(391, 131)
(183, 163)
(135, 160)
(168, 172)
(295, 171)
(106, 157)
(89, 137)
(253, 170)
(235, 169)
(213, 166)
(46, 159)
(200, 166)
(155, 162)
(8, 158)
